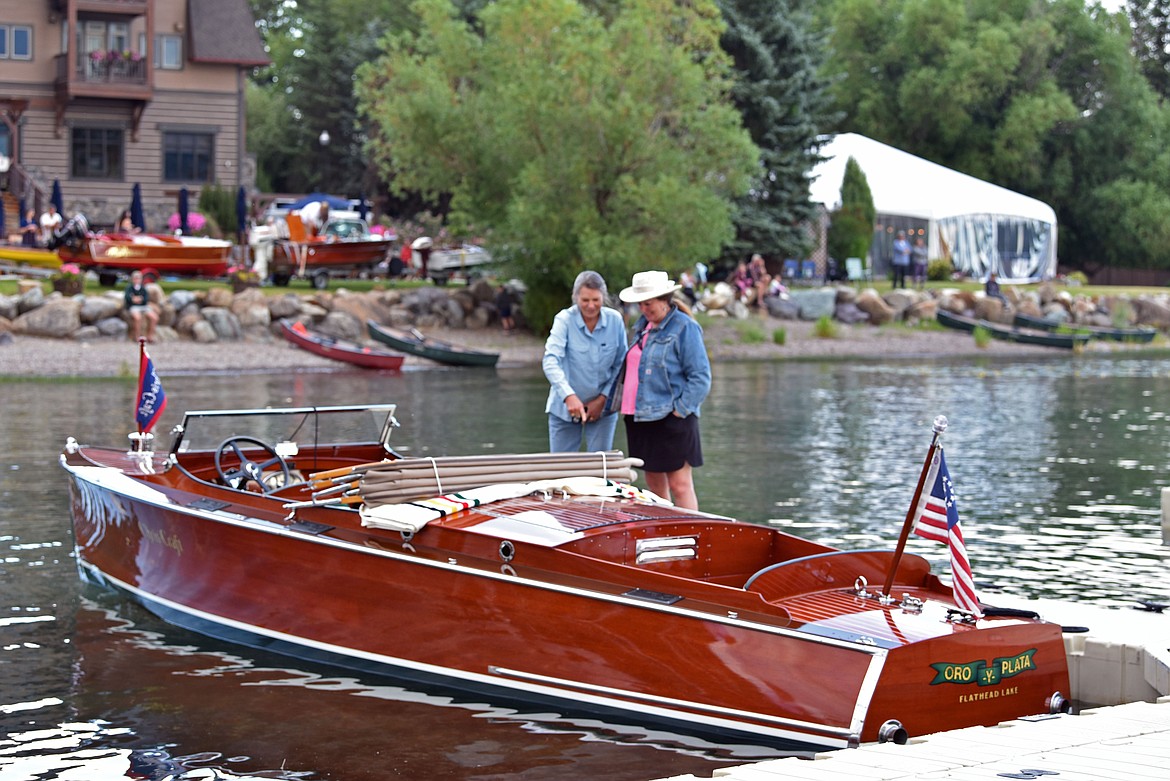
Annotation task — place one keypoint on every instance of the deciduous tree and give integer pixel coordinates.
(578, 141)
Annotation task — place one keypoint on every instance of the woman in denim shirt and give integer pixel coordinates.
(666, 376)
(581, 360)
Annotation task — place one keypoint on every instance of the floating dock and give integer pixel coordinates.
(1121, 662)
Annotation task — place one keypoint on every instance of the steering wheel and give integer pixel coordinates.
(248, 469)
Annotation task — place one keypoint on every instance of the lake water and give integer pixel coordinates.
(1058, 466)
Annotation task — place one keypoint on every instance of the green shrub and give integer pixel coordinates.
(825, 328)
(982, 337)
(749, 332)
(218, 205)
(1076, 279)
(780, 336)
(939, 270)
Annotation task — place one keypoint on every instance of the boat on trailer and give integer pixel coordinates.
(155, 255)
(541, 578)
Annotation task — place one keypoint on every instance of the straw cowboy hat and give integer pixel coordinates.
(647, 285)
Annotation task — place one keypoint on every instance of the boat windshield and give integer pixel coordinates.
(306, 426)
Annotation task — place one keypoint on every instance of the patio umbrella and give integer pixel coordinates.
(136, 215)
(57, 200)
(362, 210)
(184, 211)
(241, 210)
(4, 233)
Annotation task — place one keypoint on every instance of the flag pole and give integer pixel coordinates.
(939, 427)
(141, 364)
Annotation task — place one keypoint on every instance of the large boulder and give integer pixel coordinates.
(718, 296)
(925, 310)
(181, 299)
(900, 300)
(874, 306)
(203, 332)
(58, 318)
(287, 305)
(218, 297)
(30, 299)
(993, 309)
(342, 325)
(850, 314)
(815, 304)
(8, 307)
(224, 322)
(783, 307)
(97, 308)
(1148, 311)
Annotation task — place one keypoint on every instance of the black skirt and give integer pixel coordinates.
(665, 445)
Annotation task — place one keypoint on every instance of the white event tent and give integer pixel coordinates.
(981, 227)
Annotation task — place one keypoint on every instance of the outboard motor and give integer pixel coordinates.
(71, 234)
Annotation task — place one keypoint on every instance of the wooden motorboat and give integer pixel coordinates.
(340, 349)
(542, 578)
(344, 245)
(416, 343)
(152, 254)
(1137, 335)
(1010, 333)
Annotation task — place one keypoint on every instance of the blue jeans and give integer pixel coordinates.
(565, 437)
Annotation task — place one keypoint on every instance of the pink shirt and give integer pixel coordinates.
(630, 383)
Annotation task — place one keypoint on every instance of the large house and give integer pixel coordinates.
(100, 95)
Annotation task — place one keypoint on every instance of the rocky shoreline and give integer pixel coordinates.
(86, 336)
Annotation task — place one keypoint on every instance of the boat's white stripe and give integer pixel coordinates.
(116, 481)
(633, 701)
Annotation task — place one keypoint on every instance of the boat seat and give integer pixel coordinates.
(296, 228)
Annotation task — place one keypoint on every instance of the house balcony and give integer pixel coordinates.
(117, 7)
(103, 75)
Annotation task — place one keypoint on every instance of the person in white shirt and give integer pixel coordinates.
(314, 215)
(50, 221)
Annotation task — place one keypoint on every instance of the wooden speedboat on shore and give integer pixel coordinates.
(340, 349)
(1067, 341)
(153, 254)
(416, 343)
(541, 578)
(1138, 335)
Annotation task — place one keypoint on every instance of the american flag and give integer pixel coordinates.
(937, 519)
(151, 400)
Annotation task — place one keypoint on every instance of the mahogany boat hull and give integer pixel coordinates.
(321, 254)
(619, 607)
(184, 256)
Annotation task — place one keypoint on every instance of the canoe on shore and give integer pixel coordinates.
(416, 343)
(1139, 335)
(1067, 341)
(340, 349)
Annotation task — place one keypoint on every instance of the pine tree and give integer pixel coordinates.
(1150, 20)
(851, 229)
(785, 106)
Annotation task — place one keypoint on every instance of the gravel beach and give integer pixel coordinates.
(30, 357)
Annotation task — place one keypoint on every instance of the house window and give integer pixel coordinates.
(188, 157)
(168, 52)
(97, 153)
(15, 42)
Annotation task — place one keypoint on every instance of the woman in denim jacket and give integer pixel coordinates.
(664, 380)
(582, 356)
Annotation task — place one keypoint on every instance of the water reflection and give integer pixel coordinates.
(1058, 466)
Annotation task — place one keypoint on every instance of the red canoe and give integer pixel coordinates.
(339, 349)
(297, 531)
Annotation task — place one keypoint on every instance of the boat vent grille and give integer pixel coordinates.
(582, 514)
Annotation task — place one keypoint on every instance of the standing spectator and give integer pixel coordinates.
(701, 273)
(50, 221)
(688, 286)
(664, 379)
(918, 253)
(901, 259)
(582, 356)
(28, 228)
(504, 308)
(137, 302)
